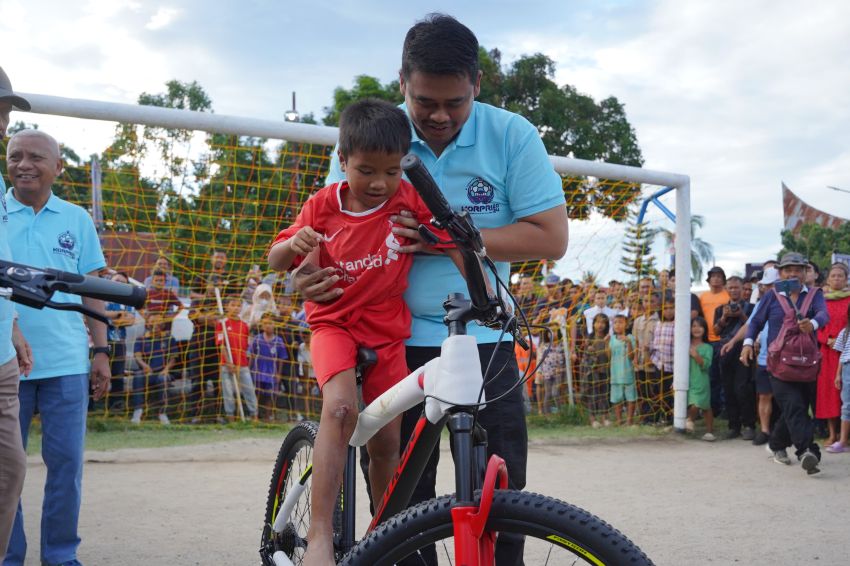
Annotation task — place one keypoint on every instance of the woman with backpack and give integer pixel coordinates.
(794, 312)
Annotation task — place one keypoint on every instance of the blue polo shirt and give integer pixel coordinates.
(496, 168)
(62, 236)
(7, 309)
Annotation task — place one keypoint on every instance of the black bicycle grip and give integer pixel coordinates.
(427, 188)
(97, 288)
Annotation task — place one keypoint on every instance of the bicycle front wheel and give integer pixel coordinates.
(555, 533)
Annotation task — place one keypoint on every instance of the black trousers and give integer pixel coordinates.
(740, 392)
(794, 426)
(507, 436)
(715, 380)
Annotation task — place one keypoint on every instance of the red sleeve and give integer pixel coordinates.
(423, 215)
(219, 335)
(306, 217)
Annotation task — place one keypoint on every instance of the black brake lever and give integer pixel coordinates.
(77, 308)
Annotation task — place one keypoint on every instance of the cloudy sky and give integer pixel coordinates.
(739, 95)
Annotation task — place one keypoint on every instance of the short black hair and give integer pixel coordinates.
(373, 125)
(734, 278)
(440, 45)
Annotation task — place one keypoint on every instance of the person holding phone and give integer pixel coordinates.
(795, 425)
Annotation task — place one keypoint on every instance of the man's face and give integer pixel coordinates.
(792, 272)
(219, 260)
(747, 291)
(734, 289)
(439, 105)
(716, 280)
(600, 299)
(162, 264)
(5, 110)
(33, 163)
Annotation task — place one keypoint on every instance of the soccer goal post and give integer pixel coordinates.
(167, 118)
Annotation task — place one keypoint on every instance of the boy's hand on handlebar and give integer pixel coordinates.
(408, 227)
(315, 284)
(305, 241)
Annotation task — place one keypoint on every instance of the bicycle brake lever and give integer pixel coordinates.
(77, 308)
(430, 238)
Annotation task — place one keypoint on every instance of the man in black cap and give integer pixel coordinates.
(15, 357)
(716, 296)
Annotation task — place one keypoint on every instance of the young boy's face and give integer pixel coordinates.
(668, 312)
(600, 299)
(268, 327)
(373, 178)
(233, 307)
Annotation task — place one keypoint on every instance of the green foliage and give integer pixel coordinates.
(701, 251)
(817, 242)
(364, 87)
(570, 123)
(637, 260)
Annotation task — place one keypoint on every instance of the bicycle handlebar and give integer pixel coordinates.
(33, 287)
(427, 188)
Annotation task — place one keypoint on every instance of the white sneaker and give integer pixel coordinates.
(163, 418)
(708, 437)
(607, 422)
(137, 417)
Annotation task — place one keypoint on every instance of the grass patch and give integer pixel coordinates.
(111, 434)
(105, 434)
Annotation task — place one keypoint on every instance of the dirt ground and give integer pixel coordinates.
(684, 502)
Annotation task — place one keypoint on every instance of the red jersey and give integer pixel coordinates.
(364, 251)
(237, 335)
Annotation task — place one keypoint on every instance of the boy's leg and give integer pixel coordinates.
(339, 417)
(249, 396)
(383, 456)
(227, 392)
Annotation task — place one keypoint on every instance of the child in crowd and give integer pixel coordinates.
(842, 381)
(348, 226)
(162, 303)
(120, 317)
(699, 388)
(267, 355)
(155, 354)
(662, 357)
(594, 371)
(623, 388)
(234, 362)
(551, 371)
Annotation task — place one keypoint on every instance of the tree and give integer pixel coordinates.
(570, 124)
(701, 251)
(817, 242)
(637, 260)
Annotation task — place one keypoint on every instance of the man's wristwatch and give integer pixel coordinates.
(100, 350)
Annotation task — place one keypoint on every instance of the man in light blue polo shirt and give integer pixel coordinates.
(489, 162)
(47, 231)
(13, 459)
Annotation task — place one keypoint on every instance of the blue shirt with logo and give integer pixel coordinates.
(62, 236)
(498, 170)
(7, 309)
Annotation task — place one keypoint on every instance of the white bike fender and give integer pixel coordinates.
(403, 395)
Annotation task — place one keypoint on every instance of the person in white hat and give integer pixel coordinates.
(15, 356)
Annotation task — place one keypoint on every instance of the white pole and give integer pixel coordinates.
(568, 365)
(682, 340)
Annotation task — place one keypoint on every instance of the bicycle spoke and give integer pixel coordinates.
(448, 556)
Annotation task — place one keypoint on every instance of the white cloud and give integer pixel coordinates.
(162, 18)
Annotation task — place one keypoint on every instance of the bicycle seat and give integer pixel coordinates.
(366, 357)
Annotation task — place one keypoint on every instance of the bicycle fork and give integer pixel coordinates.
(474, 546)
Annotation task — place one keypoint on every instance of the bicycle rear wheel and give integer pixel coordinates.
(293, 466)
(555, 532)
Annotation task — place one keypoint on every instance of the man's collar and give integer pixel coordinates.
(14, 205)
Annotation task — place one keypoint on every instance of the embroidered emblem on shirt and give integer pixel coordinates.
(67, 243)
(480, 193)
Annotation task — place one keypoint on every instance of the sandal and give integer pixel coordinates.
(837, 448)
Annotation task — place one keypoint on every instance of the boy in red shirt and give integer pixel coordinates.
(162, 304)
(236, 369)
(349, 226)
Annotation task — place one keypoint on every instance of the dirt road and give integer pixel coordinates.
(685, 502)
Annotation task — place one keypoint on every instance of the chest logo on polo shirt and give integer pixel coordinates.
(67, 243)
(480, 193)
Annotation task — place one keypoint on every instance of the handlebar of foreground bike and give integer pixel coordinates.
(33, 287)
(464, 235)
